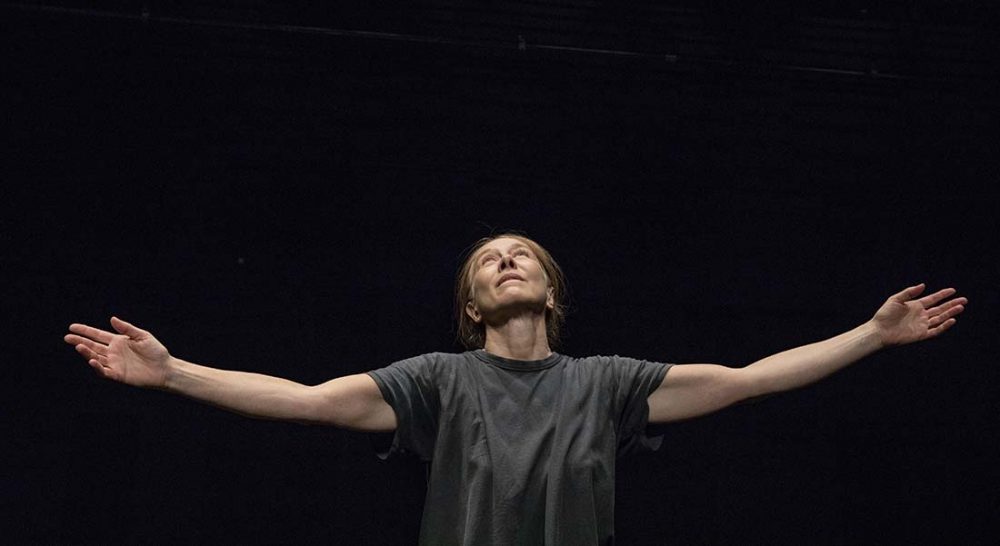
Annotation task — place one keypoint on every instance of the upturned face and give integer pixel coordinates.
(507, 279)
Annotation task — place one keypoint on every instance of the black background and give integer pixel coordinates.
(288, 190)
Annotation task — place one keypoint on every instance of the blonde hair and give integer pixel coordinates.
(472, 335)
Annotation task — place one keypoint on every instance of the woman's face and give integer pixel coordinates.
(507, 279)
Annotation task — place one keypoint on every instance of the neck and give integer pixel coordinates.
(521, 337)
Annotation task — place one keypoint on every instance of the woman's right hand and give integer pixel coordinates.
(132, 356)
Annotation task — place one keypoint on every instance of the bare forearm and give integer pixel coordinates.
(809, 363)
(250, 394)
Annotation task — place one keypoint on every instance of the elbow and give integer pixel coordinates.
(747, 386)
(314, 406)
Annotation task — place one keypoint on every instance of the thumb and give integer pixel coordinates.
(128, 329)
(908, 294)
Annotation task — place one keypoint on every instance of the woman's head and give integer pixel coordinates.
(507, 273)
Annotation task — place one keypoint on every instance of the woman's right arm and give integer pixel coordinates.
(133, 356)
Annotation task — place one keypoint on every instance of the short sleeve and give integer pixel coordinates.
(635, 381)
(411, 389)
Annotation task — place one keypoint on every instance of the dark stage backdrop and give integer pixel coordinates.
(287, 190)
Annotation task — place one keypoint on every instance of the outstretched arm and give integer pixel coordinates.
(134, 357)
(691, 390)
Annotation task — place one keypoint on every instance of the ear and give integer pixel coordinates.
(473, 312)
(550, 300)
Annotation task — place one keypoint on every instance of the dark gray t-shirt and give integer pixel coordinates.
(521, 452)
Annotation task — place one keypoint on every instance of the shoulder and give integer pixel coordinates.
(425, 371)
(432, 359)
(609, 360)
(622, 366)
(429, 363)
(596, 364)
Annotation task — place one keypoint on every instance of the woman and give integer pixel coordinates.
(522, 440)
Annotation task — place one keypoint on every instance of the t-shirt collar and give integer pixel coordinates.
(517, 365)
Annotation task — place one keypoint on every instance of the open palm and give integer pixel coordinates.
(131, 356)
(903, 319)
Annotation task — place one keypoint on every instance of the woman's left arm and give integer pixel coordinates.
(691, 390)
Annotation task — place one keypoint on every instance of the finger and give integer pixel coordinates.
(108, 373)
(954, 311)
(946, 306)
(94, 346)
(948, 313)
(941, 328)
(128, 329)
(98, 369)
(928, 301)
(103, 336)
(908, 293)
(91, 355)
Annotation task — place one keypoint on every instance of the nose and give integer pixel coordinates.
(506, 260)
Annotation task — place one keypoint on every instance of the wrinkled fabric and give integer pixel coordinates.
(521, 452)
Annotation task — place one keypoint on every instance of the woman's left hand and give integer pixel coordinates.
(902, 319)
